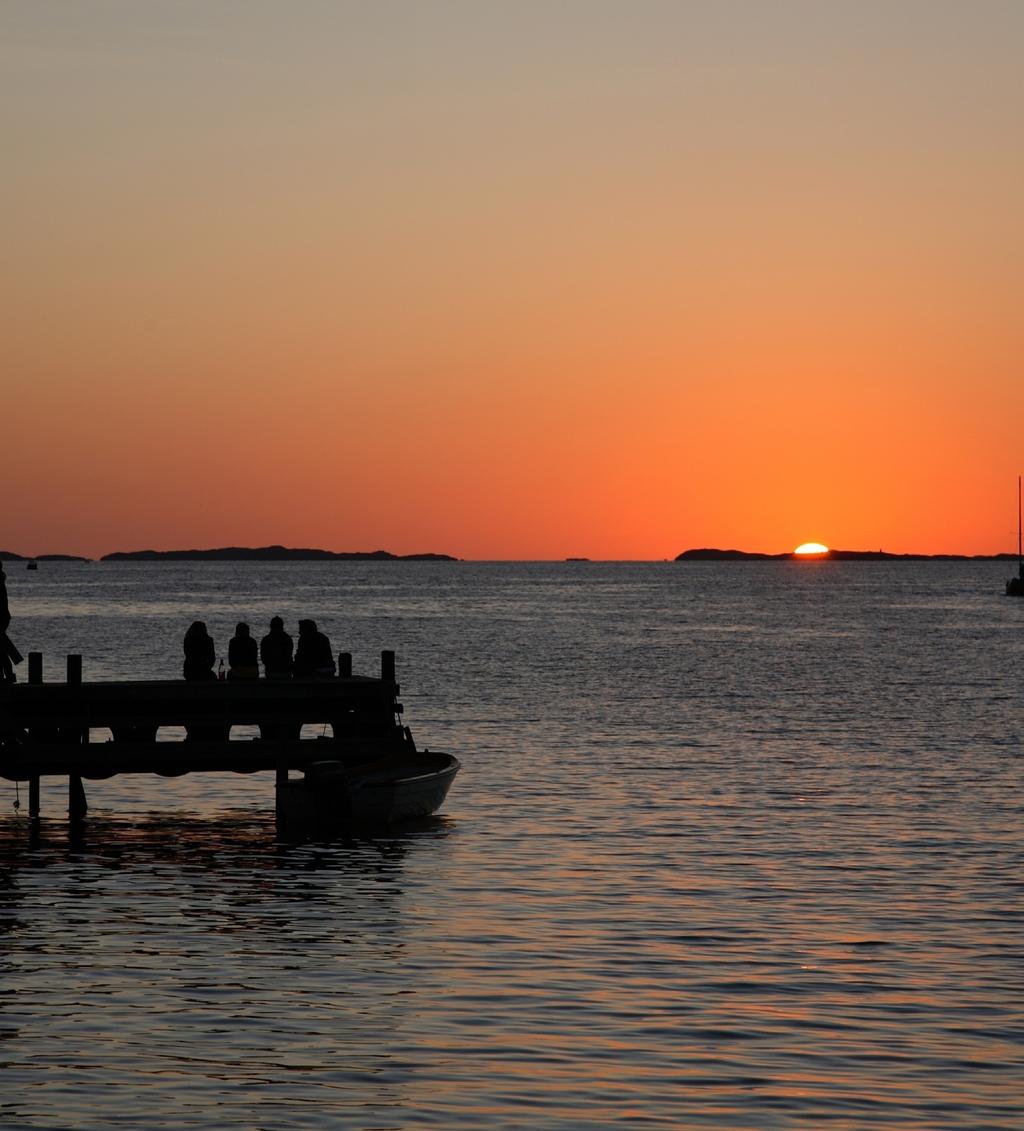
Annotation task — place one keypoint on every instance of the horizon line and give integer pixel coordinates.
(284, 553)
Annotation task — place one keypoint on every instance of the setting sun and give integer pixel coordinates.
(810, 548)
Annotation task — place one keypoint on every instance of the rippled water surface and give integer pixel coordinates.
(734, 845)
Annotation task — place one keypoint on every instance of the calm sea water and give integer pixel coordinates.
(734, 846)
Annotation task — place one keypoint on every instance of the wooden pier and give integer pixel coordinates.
(45, 728)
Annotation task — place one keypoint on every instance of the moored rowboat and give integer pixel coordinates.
(398, 788)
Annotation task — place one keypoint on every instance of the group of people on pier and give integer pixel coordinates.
(311, 658)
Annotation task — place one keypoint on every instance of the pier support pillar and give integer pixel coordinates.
(35, 667)
(387, 667)
(33, 798)
(345, 665)
(75, 678)
(280, 779)
(77, 804)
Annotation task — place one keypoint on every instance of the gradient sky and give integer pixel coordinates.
(512, 280)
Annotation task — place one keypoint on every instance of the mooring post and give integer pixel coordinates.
(345, 665)
(35, 675)
(280, 781)
(387, 667)
(75, 677)
(78, 806)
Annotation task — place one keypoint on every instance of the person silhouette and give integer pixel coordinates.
(8, 652)
(242, 654)
(200, 652)
(276, 651)
(313, 655)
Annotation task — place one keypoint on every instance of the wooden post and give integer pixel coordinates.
(75, 677)
(78, 806)
(345, 665)
(280, 780)
(35, 675)
(387, 667)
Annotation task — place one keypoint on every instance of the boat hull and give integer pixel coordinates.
(1015, 587)
(403, 789)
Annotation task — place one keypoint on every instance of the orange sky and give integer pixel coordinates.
(520, 280)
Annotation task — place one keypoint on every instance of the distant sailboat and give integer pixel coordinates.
(1015, 585)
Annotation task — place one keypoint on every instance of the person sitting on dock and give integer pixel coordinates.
(313, 656)
(276, 651)
(200, 652)
(242, 655)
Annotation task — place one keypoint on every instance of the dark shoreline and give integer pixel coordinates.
(235, 554)
(284, 554)
(9, 556)
(269, 554)
(710, 555)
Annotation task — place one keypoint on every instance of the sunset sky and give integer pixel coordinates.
(512, 279)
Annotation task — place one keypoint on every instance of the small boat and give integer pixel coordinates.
(1015, 585)
(399, 787)
(32, 565)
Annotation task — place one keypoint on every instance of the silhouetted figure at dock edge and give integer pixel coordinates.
(313, 656)
(276, 651)
(200, 653)
(242, 654)
(8, 652)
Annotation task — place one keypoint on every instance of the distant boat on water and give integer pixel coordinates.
(1015, 585)
(32, 565)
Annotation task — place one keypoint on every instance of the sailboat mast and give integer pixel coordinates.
(1020, 555)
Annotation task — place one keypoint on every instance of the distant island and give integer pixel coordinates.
(268, 554)
(234, 554)
(9, 556)
(286, 554)
(709, 555)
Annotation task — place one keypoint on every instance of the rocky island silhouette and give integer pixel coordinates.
(707, 554)
(235, 554)
(269, 554)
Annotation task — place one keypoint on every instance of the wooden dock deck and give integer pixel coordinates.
(46, 728)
